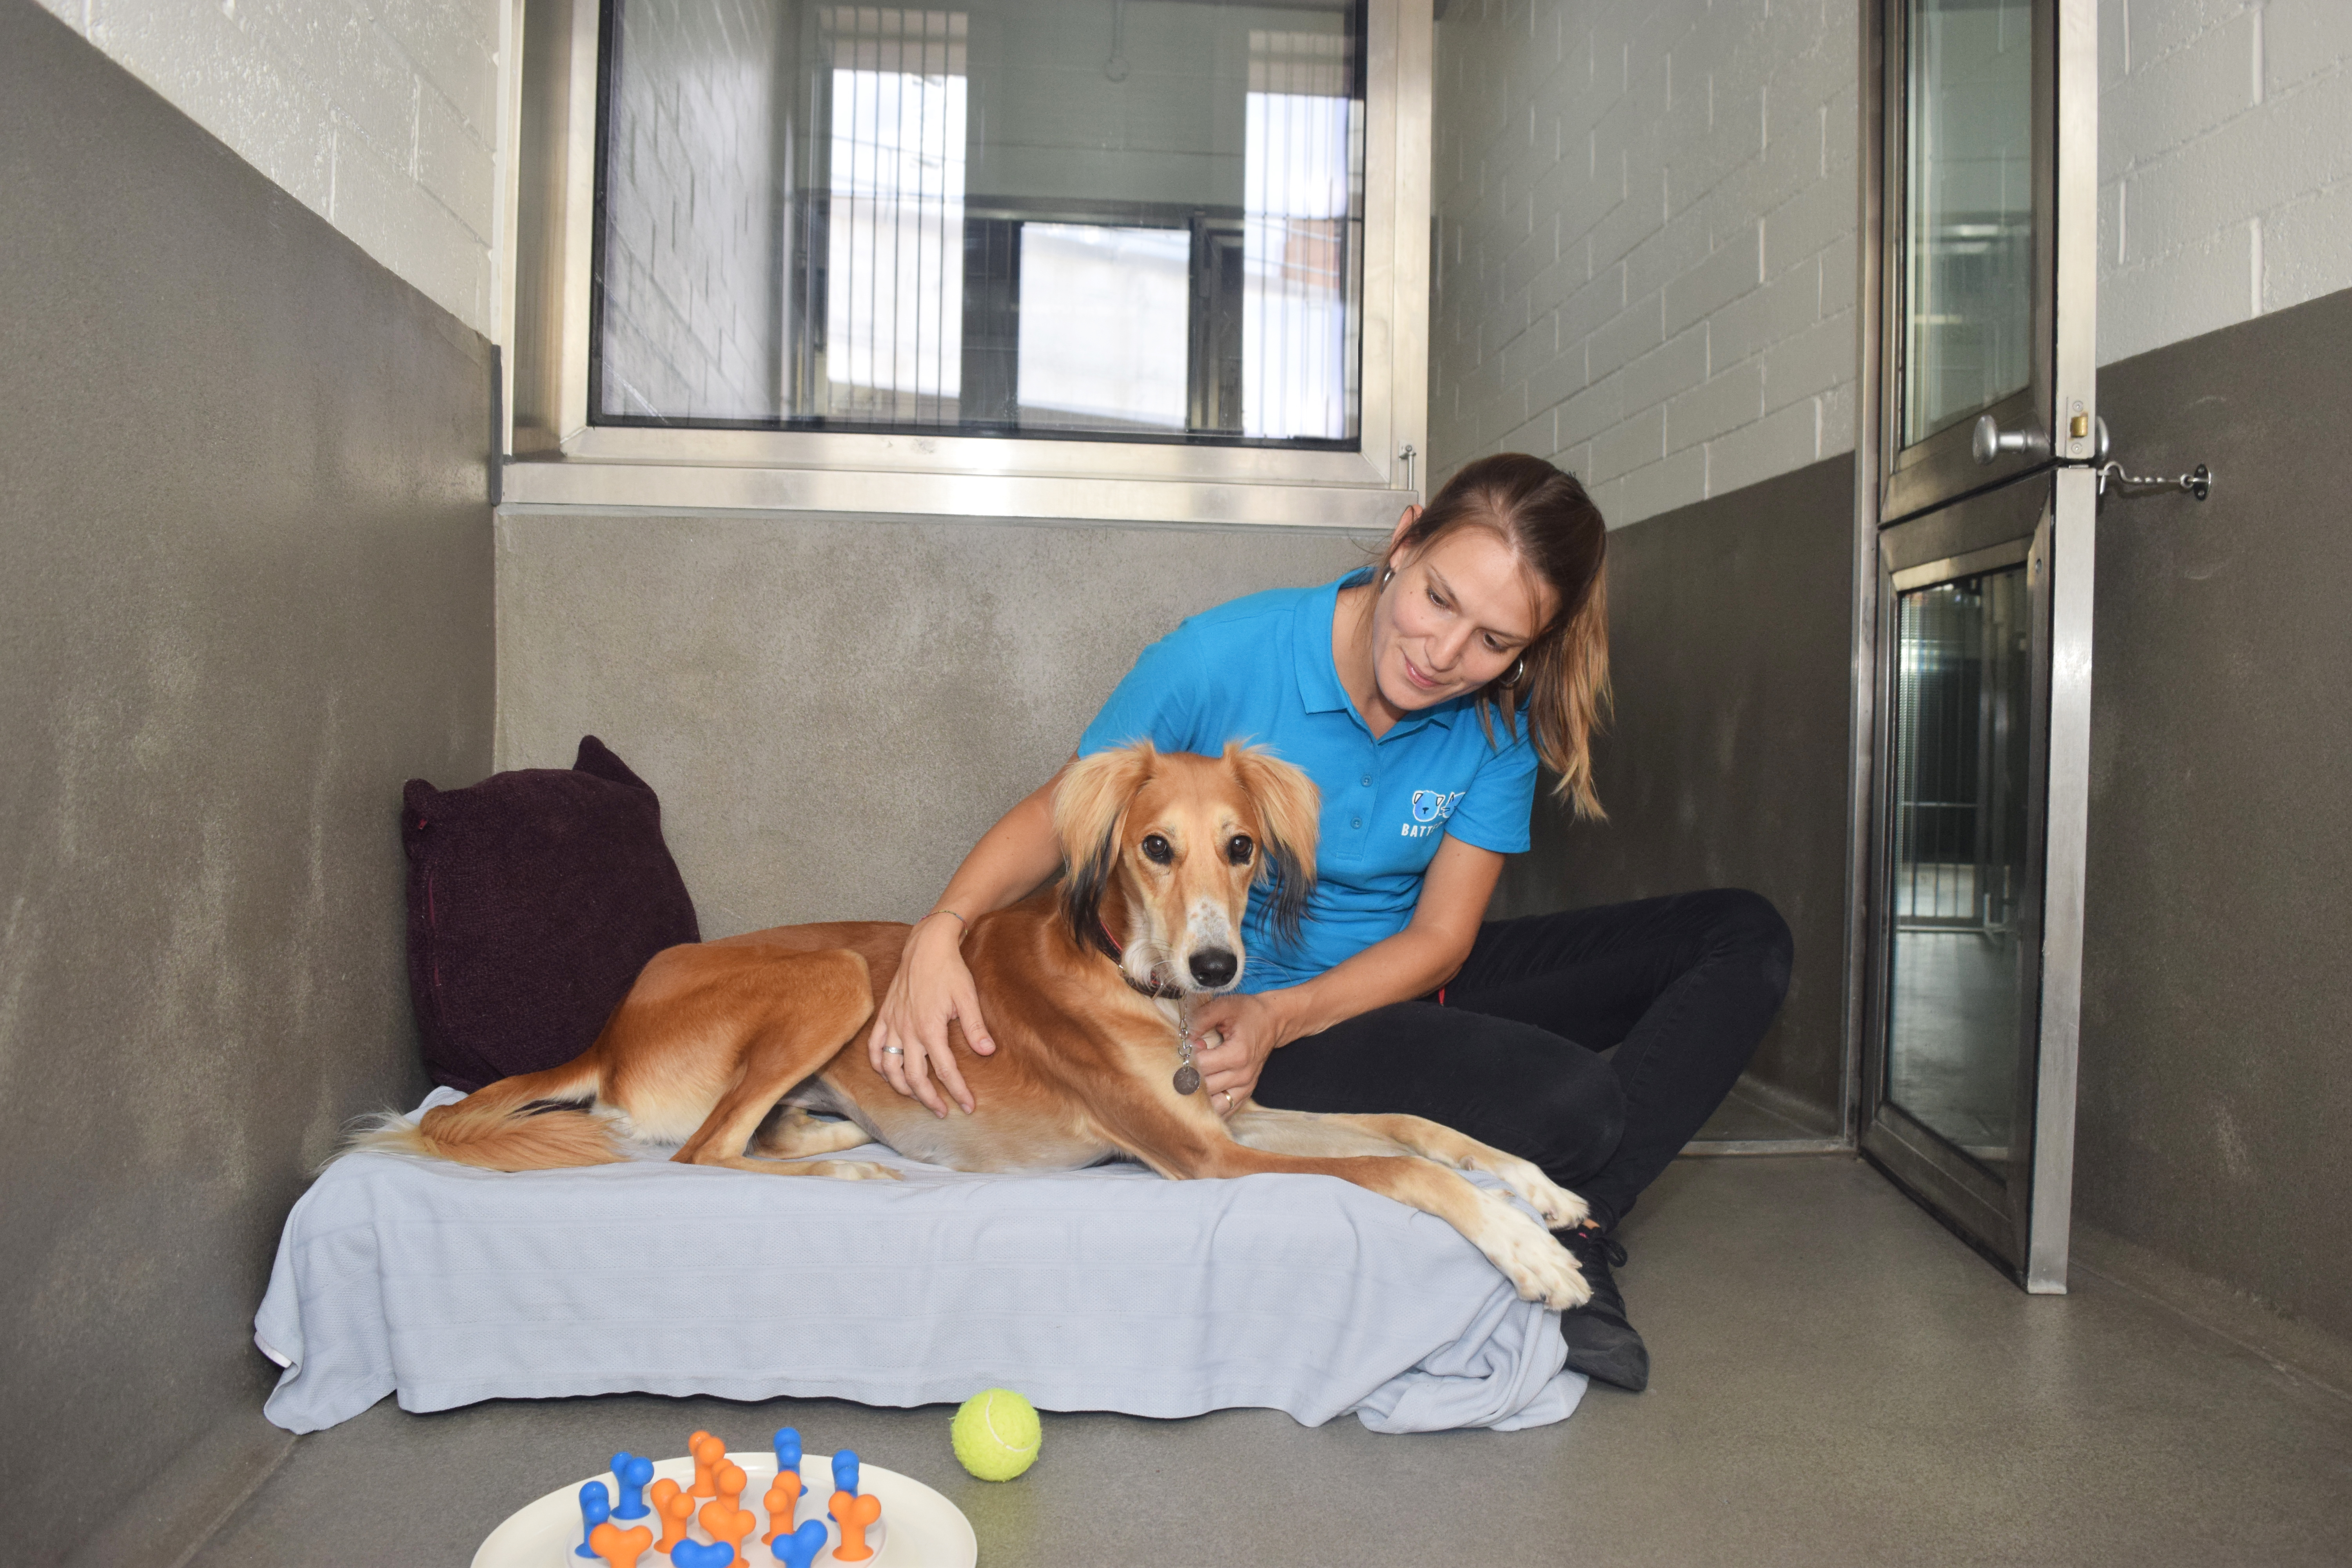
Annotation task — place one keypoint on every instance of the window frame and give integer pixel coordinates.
(557, 458)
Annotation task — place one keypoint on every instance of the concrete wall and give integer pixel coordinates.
(382, 116)
(2215, 1083)
(2225, 170)
(835, 709)
(1645, 236)
(246, 594)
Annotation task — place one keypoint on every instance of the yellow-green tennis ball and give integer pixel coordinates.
(996, 1435)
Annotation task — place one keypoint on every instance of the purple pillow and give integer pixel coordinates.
(534, 899)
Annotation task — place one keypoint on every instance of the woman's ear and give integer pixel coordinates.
(1087, 807)
(1397, 536)
(1289, 813)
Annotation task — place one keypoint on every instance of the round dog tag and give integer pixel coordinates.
(1188, 1080)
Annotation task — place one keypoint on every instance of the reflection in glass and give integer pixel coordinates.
(894, 316)
(1301, 161)
(1104, 314)
(1968, 250)
(1133, 219)
(1959, 1007)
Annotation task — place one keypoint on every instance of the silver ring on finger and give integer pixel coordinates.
(893, 1050)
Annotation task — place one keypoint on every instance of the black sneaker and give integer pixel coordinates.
(1601, 1343)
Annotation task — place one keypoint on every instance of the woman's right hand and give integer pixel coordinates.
(909, 1043)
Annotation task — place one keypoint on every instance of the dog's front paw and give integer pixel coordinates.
(1555, 1205)
(1536, 1265)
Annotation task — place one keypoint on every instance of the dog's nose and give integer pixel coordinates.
(1212, 966)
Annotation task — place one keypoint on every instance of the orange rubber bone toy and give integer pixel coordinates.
(731, 1525)
(676, 1506)
(783, 1498)
(620, 1548)
(854, 1514)
(708, 1452)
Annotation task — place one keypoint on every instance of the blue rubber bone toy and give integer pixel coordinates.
(595, 1507)
(694, 1555)
(634, 1475)
(798, 1549)
(788, 1452)
(844, 1471)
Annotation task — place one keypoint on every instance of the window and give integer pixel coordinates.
(1117, 241)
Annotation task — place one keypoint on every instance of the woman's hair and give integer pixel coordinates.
(1556, 533)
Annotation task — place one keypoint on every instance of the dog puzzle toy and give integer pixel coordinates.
(996, 1435)
(818, 1515)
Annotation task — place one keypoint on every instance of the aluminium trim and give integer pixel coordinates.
(1976, 561)
(2066, 835)
(677, 487)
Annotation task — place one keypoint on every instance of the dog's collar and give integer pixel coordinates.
(1111, 947)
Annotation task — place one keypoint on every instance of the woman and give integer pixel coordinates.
(1420, 697)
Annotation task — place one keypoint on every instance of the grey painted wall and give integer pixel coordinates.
(835, 709)
(247, 592)
(1726, 766)
(2216, 1087)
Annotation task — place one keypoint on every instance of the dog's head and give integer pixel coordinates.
(1182, 838)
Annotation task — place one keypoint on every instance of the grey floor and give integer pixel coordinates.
(1838, 1381)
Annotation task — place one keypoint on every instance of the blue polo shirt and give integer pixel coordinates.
(1259, 670)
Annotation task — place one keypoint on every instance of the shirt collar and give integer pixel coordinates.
(1319, 677)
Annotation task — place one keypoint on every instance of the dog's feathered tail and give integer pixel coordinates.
(526, 1123)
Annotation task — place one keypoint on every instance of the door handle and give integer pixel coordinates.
(1990, 440)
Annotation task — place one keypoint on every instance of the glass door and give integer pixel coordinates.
(1982, 617)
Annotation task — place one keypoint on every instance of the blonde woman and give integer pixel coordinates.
(1421, 696)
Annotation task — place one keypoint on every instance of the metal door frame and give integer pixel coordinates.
(2064, 405)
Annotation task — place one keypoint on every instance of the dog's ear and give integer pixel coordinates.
(1289, 812)
(1088, 805)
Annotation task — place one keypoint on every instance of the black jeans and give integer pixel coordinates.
(1679, 989)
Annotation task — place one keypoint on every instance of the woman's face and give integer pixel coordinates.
(1457, 613)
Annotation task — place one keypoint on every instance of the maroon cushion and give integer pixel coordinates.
(533, 899)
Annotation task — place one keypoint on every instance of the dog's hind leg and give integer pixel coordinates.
(808, 1006)
(1305, 1132)
(793, 1134)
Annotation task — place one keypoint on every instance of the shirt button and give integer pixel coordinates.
(1368, 780)
(1357, 823)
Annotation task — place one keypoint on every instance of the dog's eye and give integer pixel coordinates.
(1156, 850)
(1238, 848)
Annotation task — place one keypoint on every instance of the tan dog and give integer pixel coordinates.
(733, 1050)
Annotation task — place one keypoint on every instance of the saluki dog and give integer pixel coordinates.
(738, 1050)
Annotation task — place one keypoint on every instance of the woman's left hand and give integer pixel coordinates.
(1251, 1025)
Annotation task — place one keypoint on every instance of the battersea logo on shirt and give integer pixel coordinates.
(1429, 807)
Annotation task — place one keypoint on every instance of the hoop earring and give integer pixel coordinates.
(1519, 672)
(1385, 574)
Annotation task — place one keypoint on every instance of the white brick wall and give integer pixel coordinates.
(1646, 235)
(382, 116)
(2225, 164)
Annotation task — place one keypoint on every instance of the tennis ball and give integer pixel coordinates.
(996, 1435)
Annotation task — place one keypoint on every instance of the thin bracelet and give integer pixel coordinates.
(957, 918)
